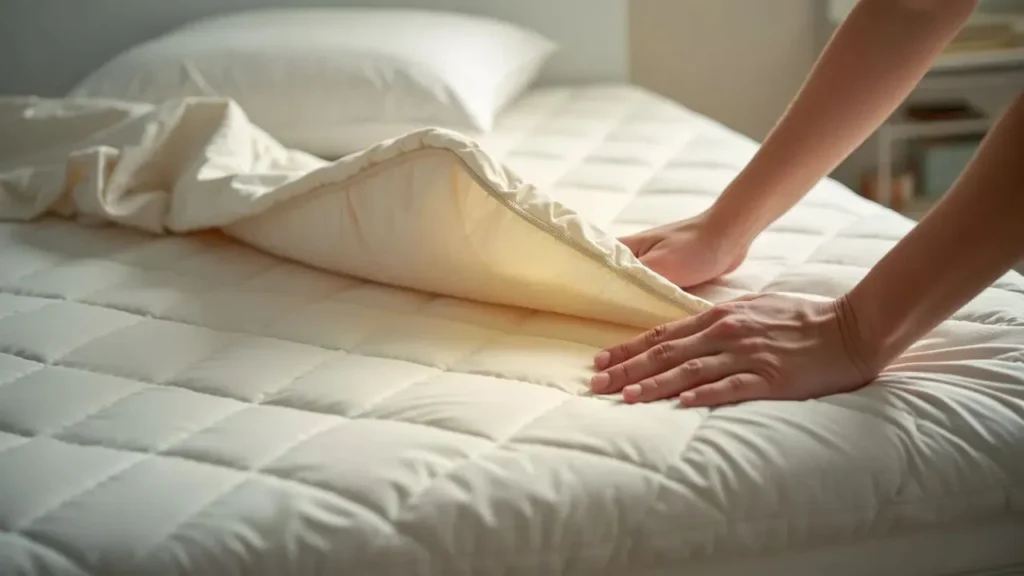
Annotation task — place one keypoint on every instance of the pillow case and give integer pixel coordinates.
(332, 81)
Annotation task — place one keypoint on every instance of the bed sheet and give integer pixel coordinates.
(300, 421)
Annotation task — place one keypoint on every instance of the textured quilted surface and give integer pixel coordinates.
(295, 421)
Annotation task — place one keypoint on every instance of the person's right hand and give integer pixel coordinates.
(688, 252)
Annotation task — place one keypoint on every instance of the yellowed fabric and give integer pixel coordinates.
(430, 211)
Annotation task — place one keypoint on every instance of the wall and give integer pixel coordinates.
(739, 61)
(838, 9)
(49, 45)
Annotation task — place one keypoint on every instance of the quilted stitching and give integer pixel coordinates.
(367, 426)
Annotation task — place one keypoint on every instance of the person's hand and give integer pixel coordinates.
(764, 346)
(689, 252)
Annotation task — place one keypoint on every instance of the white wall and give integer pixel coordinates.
(739, 61)
(49, 45)
(838, 9)
(742, 61)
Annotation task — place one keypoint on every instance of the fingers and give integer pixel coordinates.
(659, 334)
(705, 360)
(666, 356)
(729, 390)
(682, 377)
(748, 297)
(659, 261)
(637, 244)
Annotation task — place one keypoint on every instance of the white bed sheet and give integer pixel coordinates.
(298, 421)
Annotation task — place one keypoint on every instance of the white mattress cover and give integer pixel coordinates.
(275, 432)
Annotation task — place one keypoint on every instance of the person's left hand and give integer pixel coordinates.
(764, 346)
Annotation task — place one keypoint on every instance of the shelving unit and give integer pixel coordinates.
(966, 75)
(981, 59)
(938, 128)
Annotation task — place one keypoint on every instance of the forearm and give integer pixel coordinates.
(968, 240)
(875, 58)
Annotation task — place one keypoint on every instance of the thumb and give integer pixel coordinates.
(638, 244)
(671, 267)
(656, 260)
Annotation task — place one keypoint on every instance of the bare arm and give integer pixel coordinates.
(972, 237)
(875, 58)
(772, 346)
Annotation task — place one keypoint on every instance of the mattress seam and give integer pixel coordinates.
(433, 297)
(50, 549)
(272, 401)
(142, 456)
(866, 269)
(732, 524)
(454, 499)
(495, 446)
(244, 476)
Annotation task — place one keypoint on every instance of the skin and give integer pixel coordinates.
(770, 346)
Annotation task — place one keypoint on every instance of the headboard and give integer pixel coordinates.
(48, 45)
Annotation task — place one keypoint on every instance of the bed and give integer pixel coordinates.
(230, 397)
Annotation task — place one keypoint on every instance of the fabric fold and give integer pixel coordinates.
(429, 211)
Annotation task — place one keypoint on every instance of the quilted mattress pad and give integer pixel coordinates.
(221, 356)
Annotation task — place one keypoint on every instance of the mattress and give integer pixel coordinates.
(218, 356)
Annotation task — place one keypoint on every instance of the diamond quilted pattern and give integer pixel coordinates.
(150, 419)
(424, 340)
(51, 473)
(263, 509)
(503, 403)
(13, 367)
(51, 331)
(237, 441)
(131, 519)
(348, 384)
(539, 360)
(149, 292)
(382, 481)
(73, 280)
(186, 404)
(48, 399)
(127, 352)
(274, 364)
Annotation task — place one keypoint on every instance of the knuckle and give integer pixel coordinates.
(756, 347)
(620, 352)
(653, 385)
(662, 352)
(621, 373)
(690, 369)
(729, 326)
(656, 335)
(720, 312)
(766, 363)
(732, 385)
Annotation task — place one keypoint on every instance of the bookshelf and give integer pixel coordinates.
(983, 69)
(974, 60)
(987, 80)
(987, 72)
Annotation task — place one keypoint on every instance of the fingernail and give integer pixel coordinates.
(602, 359)
(686, 398)
(632, 392)
(600, 382)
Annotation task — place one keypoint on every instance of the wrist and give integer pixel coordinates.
(732, 223)
(878, 327)
(864, 348)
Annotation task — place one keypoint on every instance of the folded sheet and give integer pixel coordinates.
(431, 210)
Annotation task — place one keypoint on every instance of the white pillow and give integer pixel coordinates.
(332, 81)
